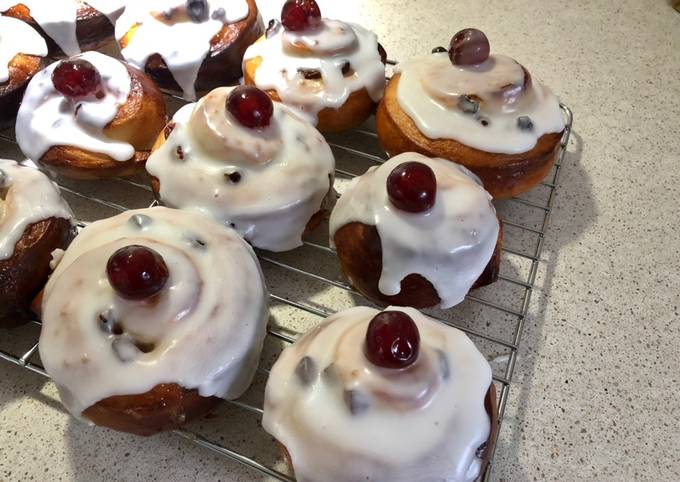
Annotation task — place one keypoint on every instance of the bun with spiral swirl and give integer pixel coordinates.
(150, 317)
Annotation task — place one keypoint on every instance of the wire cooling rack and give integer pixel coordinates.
(306, 285)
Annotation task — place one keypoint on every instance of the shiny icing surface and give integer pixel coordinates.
(46, 118)
(479, 105)
(17, 37)
(449, 245)
(182, 43)
(27, 196)
(58, 18)
(203, 331)
(324, 50)
(266, 183)
(342, 418)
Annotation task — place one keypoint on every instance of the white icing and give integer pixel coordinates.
(419, 424)
(46, 118)
(430, 87)
(17, 37)
(58, 18)
(207, 324)
(183, 44)
(449, 245)
(27, 196)
(286, 171)
(325, 50)
(111, 8)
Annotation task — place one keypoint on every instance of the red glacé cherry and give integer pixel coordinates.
(76, 79)
(299, 15)
(392, 340)
(412, 187)
(469, 47)
(250, 106)
(137, 272)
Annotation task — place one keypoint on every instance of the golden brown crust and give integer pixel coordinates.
(137, 122)
(93, 28)
(164, 407)
(490, 404)
(503, 175)
(358, 107)
(360, 251)
(22, 68)
(222, 66)
(24, 274)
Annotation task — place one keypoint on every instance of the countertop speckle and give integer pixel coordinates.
(594, 392)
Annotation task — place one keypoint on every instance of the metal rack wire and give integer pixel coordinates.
(493, 317)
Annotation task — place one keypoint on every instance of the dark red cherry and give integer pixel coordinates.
(137, 272)
(250, 106)
(412, 187)
(299, 15)
(392, 340)
(469, 47)
(76, 79)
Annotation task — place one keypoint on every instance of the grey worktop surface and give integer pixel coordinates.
(595, 390)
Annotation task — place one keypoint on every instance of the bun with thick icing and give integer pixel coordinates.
(482, 111)
(90, 117)
(34, 222)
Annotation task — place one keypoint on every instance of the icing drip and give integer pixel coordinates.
(204, 330)
(479, 105)
(342, 418)
(17, 37)
(182, 43)
(27, 196)
(450, 245)
(58, 17)
(266, 183)
(46, 118)
(325, 51)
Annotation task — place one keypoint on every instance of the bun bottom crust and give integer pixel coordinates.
(24, 274)
(490, 405)
(360, 252)
(164, 407)
(138, 123)
(503, 175)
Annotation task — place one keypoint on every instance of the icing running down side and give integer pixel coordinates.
(449, 245)
(204, 330)
(163, 27)
(325, 51)
(46, 118)
(494, 106)
(17, 37)
(27, 196)
(58, 18)
(265, 183)
(342, 418)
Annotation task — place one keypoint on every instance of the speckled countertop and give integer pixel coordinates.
(594, 395)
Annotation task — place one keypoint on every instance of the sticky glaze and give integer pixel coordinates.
(27, 196)
(46, 118)
(324, 50)
(17, 37)
(430, 90)
(205, 329)
(183, 45)
(449, 245)
(58, 18)
(344, 419)
(267, 183)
